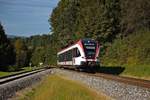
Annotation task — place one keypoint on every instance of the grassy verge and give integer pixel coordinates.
(2, 73)
(134, 71)
(138, 71)
(58, 88)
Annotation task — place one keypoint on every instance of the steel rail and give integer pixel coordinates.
(122, 79)
(18, 76)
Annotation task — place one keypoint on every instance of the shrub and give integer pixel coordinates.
(12, 68)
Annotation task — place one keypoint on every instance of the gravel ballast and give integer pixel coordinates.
(114, 89)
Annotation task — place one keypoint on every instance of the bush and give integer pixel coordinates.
(10, 68)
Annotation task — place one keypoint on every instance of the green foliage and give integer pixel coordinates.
(72, 20)
(21, 53)
(12, 70)
(135, 14)
(41, 49)
(7, 54)
(50, 56)
(142, 71)
(131, 50)
(38, 56)
(45, 55)
(63, 21)
(37, 41)
(35, 49)
(102, 20)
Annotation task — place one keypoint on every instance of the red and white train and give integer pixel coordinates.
(83, 53)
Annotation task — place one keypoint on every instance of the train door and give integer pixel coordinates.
(76, 55)
(73, 56)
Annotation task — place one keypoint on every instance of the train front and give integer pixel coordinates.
(91, 52)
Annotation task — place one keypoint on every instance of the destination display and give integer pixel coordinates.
(90, 47)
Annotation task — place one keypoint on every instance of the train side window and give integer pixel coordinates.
(78, 53)
(74, 52)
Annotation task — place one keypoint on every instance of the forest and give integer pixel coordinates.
(122, 28)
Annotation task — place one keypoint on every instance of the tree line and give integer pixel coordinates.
(19, 52)
(102, 20)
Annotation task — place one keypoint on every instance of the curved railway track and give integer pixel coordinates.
(13, 77)
(117, 87)
(126, 80)
(131, 87)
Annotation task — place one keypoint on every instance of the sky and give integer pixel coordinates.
(26, 17)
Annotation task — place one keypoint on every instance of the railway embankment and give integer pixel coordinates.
(114, 89)
(9, 89)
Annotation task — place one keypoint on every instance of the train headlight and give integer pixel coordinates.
(83, 57)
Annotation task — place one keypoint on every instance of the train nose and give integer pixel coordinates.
(89, 63)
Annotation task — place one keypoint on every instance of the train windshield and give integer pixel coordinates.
(89, 48)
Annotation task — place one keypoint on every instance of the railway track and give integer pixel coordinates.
(117, 87)
(11, 84)
(126, 80)
(13, 77)
(113, 85)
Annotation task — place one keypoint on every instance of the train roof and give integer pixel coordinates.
(86, 40)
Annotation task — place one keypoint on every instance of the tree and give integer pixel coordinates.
(135, 15)
(63, 21)
(91, 19)
(38, 56)
(7, 54)
(21, 53)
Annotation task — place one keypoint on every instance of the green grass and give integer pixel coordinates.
(135, 71)
(58, 88)
(138, 71)
(2, 73)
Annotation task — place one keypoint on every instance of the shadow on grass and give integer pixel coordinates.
(115, 70)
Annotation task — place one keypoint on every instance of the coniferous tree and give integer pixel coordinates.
(7, 54)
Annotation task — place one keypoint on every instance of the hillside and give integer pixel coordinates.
(121, 27)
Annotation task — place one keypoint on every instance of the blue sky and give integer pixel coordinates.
(26, 17)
